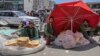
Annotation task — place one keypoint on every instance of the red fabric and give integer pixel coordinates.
(77, 11)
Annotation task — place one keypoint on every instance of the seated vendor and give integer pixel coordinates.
(97, 30)
(48, 30)
(87, 31)
(29, 31)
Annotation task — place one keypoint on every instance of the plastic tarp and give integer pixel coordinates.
(71, 15)
(7, 31)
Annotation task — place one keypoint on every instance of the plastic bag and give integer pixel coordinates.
(68, 42)
(81, 40)
(58, 41)
(65, 39)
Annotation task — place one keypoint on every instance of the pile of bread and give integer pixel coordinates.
(22, 42)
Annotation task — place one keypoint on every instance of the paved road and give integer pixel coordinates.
(83, 51)
(88, 50)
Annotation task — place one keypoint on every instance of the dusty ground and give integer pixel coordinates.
(88, 50)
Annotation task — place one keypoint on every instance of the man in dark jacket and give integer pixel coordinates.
(49, 31)
(87, 31)
(30, 31)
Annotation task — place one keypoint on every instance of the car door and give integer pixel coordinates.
(11, 18)
(2, 21)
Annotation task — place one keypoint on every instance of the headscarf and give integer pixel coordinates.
(25, 22)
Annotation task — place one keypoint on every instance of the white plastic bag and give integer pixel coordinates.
(82, 40)
(65, 39)
(58, 41)
(68, 42)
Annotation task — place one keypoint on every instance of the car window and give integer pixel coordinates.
(9, 14)
(1, 13)
(20, 14)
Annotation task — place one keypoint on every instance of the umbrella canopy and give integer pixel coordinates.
(71, 15)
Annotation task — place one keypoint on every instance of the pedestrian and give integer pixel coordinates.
(28, 13)
(32, 13)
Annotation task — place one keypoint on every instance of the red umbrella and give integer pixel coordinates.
(71, 15)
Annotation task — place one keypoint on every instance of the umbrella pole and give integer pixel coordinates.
(71, 24)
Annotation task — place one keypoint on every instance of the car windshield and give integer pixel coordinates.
(20, 14)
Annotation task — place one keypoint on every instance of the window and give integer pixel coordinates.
(1, 5)
(9, 0)
(20, 14)
(10, 14)
(1, 13)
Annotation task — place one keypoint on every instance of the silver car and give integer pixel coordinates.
(15, 17)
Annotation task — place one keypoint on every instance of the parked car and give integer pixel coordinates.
(15, 17)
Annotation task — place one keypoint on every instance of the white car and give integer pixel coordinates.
(15, 17)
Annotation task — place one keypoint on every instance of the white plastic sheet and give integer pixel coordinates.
(12, 50)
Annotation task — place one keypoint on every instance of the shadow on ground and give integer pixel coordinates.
(86, 47)
(81, 48)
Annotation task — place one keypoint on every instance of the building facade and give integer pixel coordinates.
(95, 6)
(35, 5)
(11, 4)
(28, 5)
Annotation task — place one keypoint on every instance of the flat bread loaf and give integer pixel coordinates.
(23, 42)
(23, 39)
(11, 43)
